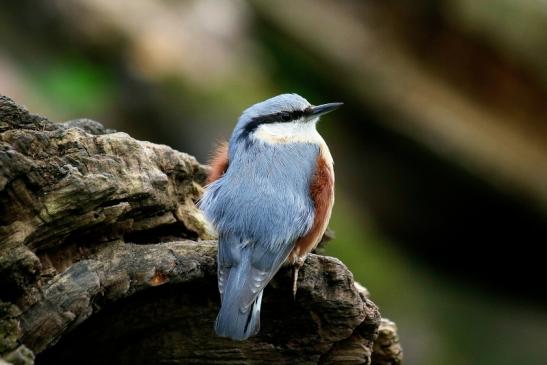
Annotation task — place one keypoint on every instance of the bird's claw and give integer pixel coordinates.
(296, 267)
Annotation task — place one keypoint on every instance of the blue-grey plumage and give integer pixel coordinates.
(261, 205)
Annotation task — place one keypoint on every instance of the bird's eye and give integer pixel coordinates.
(286, 117)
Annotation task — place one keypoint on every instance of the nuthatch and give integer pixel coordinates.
(270, 196)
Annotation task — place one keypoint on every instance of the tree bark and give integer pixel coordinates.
(104, 258)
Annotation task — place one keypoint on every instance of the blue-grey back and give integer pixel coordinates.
(264, 195)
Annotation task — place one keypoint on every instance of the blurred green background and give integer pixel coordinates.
(440, 148)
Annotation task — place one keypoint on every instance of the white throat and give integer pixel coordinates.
(292, 132)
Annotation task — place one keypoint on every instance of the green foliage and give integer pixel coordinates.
(74, 85)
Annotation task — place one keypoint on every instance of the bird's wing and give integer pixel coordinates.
(225, 263)
(218, 163)
(322, 194)
(265, 263)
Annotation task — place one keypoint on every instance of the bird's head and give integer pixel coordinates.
(283, 119)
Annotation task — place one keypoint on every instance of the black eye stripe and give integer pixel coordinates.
(280, 117)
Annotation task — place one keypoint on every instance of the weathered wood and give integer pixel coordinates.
(104, 258)
(387, 349)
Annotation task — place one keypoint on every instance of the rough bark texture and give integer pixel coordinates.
(104, 258)
(387, 350)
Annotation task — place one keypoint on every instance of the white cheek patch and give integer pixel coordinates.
(291, 132)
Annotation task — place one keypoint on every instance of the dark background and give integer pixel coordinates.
(440, 148)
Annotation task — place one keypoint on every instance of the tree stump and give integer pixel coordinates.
(105, 259)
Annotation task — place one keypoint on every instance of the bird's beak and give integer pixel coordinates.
(317, 111)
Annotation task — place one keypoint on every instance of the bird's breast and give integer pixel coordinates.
(321, 192)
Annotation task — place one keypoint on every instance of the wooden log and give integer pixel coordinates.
(104, 258)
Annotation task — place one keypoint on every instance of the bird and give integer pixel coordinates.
(269, 196)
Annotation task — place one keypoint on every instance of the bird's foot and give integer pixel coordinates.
(296, 267)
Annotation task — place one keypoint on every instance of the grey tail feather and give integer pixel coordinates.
(238, 318)
(233, 323)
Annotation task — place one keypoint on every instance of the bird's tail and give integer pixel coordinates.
(232, 322)
(238, 320)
